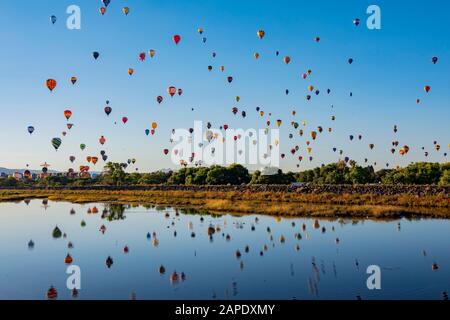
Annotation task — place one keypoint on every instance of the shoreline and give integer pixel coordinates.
(364, 201)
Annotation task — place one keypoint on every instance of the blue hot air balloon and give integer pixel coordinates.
(30, 129)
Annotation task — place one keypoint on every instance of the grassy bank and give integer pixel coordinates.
(271, 203)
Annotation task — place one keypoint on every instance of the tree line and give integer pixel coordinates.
(334, 173)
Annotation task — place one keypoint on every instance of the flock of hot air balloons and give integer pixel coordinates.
(172, 91)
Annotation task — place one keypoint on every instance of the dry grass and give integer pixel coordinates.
(271, 203)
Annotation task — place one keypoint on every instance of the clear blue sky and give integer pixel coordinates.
(391, 67)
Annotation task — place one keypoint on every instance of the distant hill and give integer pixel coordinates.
(11, 171)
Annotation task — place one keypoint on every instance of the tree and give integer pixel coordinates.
(445, 178)
(115, 173)
(217, 176)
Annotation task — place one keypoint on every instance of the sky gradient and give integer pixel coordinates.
(391, 67)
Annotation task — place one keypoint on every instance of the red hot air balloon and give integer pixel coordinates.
(124, 120)
(427, 88)
(102, 10)
(102, 140)
(142, 56)
(67, 114)
(287, 59)
(176, 38)
(166, 151)
(171, 91)
(51, 84)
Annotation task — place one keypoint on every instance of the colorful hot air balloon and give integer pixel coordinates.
(126, 11)
(176, 38)
(73, 80)
(51, 84)
(260, 34)
(94, 160)
(102, 10)
(152, 53)
(56, 143)
(67, 114)
(230, 79)
(200, 30)
(171, 91)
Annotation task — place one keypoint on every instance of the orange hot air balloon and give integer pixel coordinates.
(130, 71)
(260, 34)
(102, 140)
(313, 135)
(94, 160)
(67, 114)
(102, 10)
(89, 159)
(171, 91)
(51, 84)
(287, 59)
(427, 88)
(154, 125)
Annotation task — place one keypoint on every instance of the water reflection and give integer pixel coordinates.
(157, 252)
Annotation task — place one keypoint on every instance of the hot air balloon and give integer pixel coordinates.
(256, 55)
(279, 122)
(94, 160)
(126, 10)
(147, 132)
(371, 146)
(95, 54)
(166, 151)
(73, 80)
(234, 110)
(427, 88)
(142, 56)
(108, 110)
(152, 53)
(313, 135)
(260, 34)
(351, 137)
(317, 39)
(154, 125)
(102, 140)
(102, 10)
(159, 99)
(124, 120)
(53, 19)
(130, 71)
(67, 114)
(180, 92)
(56, 143)
(30, 129)
(72, 159)
(230, 79)
(356, 21)
(82, 146)
(434, 60)
(176, 38)
(287, 59)
(51, 84)
(310, 88)
(350, 60)
(200, 30)
(171, 91)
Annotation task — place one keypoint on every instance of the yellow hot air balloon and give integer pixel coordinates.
(261, 113)
(126, 10)
(238, 98)
(310, 88)
(279, 122)
(200, 30)
(309, 149)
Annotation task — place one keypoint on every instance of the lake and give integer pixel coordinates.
(168, 253)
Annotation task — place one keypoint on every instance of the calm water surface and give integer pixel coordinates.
(286, 258)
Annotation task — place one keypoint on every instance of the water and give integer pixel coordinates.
(313, 267)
